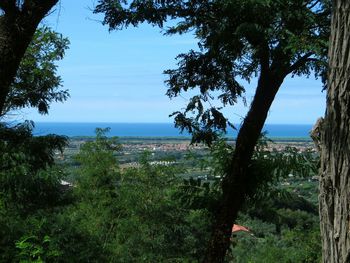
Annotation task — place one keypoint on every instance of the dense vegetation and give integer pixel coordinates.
(152, 213)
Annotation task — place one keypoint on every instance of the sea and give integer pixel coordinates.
(72, 129)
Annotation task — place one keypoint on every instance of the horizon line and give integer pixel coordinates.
(121, 122)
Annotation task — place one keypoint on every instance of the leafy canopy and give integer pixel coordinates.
(237, 40)
(37, 83)
(27, 177)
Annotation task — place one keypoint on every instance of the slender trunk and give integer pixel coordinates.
(234, 184)
(17, 27)
(334, 196)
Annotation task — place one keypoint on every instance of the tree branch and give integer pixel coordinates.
(300, 62)
(314, 4)
(38, 7)
(264, 57)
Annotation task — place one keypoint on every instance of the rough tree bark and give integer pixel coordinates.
(18, 23)
(334, 196)
(235, 183)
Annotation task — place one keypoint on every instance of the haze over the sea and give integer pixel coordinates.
(156, 129)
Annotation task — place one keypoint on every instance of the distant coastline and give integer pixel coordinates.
(282, 132)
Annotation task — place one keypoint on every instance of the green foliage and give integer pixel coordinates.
(135, 214)
(25, 178)
(36, 83)
(293, 245)
(285, 223)
(268, 168)
(156, 226)
(96, 189)
(34, 250)
(28, 179)
(284, 220)
(195, 194)
(149, 213)
(98, 167)
(34, 205)
(31, 194)
(29, 183)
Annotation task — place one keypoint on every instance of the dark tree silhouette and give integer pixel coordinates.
(36, 83)
(18, 23)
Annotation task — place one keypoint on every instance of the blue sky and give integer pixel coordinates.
(117, 76)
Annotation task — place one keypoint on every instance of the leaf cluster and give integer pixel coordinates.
(28, 178)
(36, 83)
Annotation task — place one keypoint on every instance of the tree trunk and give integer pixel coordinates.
(334, 196)
(17, 27)
(234, 184)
